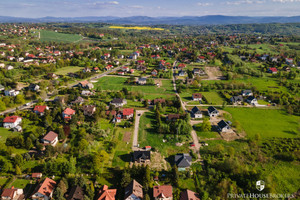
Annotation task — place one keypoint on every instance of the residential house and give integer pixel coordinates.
(89, 110)
(106, 194)
(181, 66)
(247, 93)
(118, 102)
(36, 175)
(9, 67)
(197, 97)
(201, 59)
(125, 69)
(141, 156)
(12, 93)
(34, 87)
(212, 111)
(79, 100)
(252, 100)
(173, 117)
(141, 68)
(189, 195)
(133, 191)
(272, 70)
(161, 101)
(237, 99)
(12, 121)
(52, 76)
(76, 193)
(181, 73)
(44, 190)
(12, 194)
(2, 65)
(198, 72)
(140, 62)
(67, 113)
(196, 113)
(142, 81)
(183, 160)
(86, 93)
(85, 84)
(163, 192)
(154, 72)
(86, 69)
(223, 126)
(128, 113)
(40, 110)
(50, 138)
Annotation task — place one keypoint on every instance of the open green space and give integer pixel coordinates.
(3, 180)
(266, 122)
(20, 183)
(50, 36)
(4, 133)
(117, 83)
(69, 69)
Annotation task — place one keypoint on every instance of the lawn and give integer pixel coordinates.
(69, 69)
(117, 83)
(213, 98)
(2, 181)
(20, 183)
(148, 136)
(266, 122)
(48, 36)
(4, 133)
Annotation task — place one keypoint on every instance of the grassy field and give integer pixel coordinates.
(69, 69)
(148, 136)
(4, 133)
(20, 183)
(137, 28)
(51, 36)
(117, 83)
(213, 98)
(266, 122)
(2, 181)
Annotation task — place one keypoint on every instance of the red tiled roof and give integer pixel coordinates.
(11, 119)
(40, 109)
(197, 95)
(46, 188)
(189, 195)
(273, 69)
(8, 192)
(162, 191)
(50, 136)
(84, 83)
(181, 65)
(107, 194)
(36, 175)
(69, 111)
(128, 111)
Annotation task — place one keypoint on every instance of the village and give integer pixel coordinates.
(118, 119)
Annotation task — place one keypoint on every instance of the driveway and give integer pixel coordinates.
(138, 115)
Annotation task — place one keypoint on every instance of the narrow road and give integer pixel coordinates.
(23, 107)
(138, 114)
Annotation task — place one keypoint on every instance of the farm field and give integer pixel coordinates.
(266, 122)
(117, 83)
(69, 69)
(48, 36)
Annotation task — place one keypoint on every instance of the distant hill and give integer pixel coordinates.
(144, 20)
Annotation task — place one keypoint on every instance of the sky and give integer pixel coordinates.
(152, 8)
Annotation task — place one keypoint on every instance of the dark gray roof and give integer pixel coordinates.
(196, 110)
(117, 100)
(250, 98)
(145, 155)
(183, 160)
(212, 109)
(237, 98)
(142, 79)
(222, 124)
(76, 193)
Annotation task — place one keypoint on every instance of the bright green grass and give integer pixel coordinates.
(149, 137)
(213, 98)
(2, 181)
(51, 36)
(20, 183)
(121, 158)
(266, 122)
(66, 70)
(187, 184)
(4, 133)
(117, 83)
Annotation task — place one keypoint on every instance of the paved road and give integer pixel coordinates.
(138, 114)
(23, 107)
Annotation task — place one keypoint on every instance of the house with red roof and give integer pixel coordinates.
(67, 113)
(12, 194)
(128, 113)
(197, 97)
(36, 175)
(189, 195)
(12, 121)
(181, 66)
(163, 192)
(140, 62)
(125, 69)
(40, 110)
(50, 138)
(154, 72)
(44, 190)
(155, 56)
(106, 194)
(272, 70)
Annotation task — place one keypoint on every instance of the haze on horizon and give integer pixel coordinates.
(153, 8)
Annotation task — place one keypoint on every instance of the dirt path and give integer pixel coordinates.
(138, 114)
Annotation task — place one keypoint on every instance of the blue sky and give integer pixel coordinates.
(153, 8)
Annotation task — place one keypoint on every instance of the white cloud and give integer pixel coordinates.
(113, 2)
(136, 6)
(286, 1)
(245, 2)
(204, 4)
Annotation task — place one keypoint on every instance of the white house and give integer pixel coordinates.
(212, 111)
(11, 193)
(118, 102)
(44, 190)
(11, 93)
(11, 121)
(51, 138)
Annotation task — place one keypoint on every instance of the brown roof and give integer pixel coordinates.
(106, 194)
(134, 188)
(50, 136)
(36, 175)
(197, 95)
(159, 100)
(173, 116)
(76, 193)
(46, 187)
(189, 195)
(162, 191)
(8, 192)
